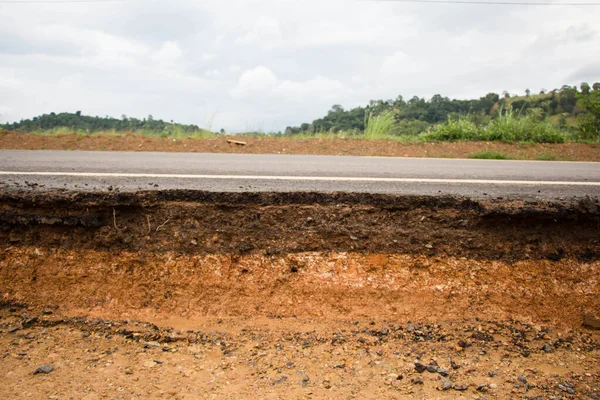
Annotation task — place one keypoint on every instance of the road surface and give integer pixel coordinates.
(132, 171)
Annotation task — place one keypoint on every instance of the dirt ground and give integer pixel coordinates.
(264, 145)
(169, 295)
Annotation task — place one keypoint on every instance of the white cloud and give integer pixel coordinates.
(266, 32)
(208, 57)
(271, 64)
(257, 81)
(401, 64)
(169, 54)
(318, 89)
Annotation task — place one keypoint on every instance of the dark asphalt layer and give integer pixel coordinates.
(288, 173)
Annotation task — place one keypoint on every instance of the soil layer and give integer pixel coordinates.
(266, 145)
(296, 296)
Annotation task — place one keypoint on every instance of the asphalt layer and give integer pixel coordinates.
(133, 171)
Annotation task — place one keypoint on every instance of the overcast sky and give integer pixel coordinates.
(266, 64)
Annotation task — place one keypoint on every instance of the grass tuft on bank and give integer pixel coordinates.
(509, 127)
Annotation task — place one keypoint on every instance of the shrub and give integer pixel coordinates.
(460, 128)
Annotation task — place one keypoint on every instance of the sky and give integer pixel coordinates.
(262, 65)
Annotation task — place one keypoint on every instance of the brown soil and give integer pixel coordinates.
(264, 145)
(295, 296)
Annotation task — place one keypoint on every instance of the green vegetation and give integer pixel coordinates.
(546, 157)
(490, 155)
(565, 114)
(63, 123)
(380, 126)
(456, 129)
(508, 126)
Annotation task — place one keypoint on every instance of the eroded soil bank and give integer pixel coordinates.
(297, 295)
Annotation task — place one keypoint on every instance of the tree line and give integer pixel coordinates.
(414, 116)
(83, 123)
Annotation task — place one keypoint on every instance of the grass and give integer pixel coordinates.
(380, 126)
(490, 155)
(175, 133)
(454, 130)
(510, 127)
(546, 157)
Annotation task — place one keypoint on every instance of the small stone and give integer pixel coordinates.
(86, 334)
(493, 386)
(464, 344)
(454, 365)
(47, 311)
(129, 371)
(280, 380)
(29, 321)
(432, 368)
(547, 348)
(591, 321)
(447, 385)
(522, 379)
(305, 380)
(13, 329)
(461, 388)
(44, 369)
(159, 361)
(443, 372)
(149, 364)
(21, 354)
(420, 367)
(417, 380)
(482, 388)
(429, 246)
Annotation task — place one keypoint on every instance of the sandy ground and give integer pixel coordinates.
(263, 145)
(273, 358)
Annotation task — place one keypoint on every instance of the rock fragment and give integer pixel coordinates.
(44, 369)
(417, 380)
(420, 368)
(591, 321)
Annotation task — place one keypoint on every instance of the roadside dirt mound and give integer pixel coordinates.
(267, 145)
(288, 295)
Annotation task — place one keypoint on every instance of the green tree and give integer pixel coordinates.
(589, 121)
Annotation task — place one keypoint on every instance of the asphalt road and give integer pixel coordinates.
(131, 171)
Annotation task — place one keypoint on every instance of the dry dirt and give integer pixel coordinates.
(265, 145)
(199, 295)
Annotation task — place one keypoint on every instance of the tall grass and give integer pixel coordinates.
(461, 128)
(380, 126)
(510, 126)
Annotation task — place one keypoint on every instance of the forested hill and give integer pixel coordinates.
(414, 116)
(562, 108)
(83, 123)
